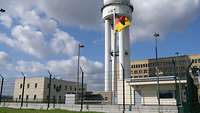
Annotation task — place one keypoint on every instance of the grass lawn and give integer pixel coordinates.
(10, 110)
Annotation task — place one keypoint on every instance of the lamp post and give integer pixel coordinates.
(82, 73)
(123, 79)
(156, 35)
(77, 86)
(22, 99)
(2, 80)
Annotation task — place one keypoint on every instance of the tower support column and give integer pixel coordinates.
(124, 52)
(108, 76)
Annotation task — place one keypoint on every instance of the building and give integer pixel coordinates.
(37, 89)
(141, 88)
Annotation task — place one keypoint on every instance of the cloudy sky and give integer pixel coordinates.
(41, 35)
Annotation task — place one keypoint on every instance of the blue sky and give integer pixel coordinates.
(36, 36)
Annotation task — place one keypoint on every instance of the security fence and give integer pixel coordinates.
(37, 92)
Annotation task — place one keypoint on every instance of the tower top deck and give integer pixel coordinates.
(120, 7)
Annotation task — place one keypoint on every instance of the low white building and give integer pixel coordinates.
(144, 91)
(37, 89)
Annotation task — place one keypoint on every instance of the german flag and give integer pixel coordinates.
(121, 22)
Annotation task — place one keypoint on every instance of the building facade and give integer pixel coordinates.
(141, 88)
(37, 89)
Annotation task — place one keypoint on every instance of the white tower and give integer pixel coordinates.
(121, 8)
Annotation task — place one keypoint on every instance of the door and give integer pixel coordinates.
(137, 97)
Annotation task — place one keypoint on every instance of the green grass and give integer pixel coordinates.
(11, 110)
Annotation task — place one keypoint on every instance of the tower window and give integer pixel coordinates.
(28, 85)
(20, 86)
(35, 96)
(36, 85)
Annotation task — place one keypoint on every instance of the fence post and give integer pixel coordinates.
(2, 80)
(49, 85)
(22, 99)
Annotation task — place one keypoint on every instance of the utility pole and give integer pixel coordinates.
(77, 86)
(156, 35)
(49, 86)
(2, 80)
(22, 99)
(123, 71)
(82, 73)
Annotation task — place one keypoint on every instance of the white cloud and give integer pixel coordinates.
(27, 40)
(162, 16)
(32, 18)
(62, 42)
(85, 14)
(3, 57)
(6, 20)
(31, 66)
(33, 42)
(149, 16)
(67, 69)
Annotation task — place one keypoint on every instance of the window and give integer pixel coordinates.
(199, 60)
(136, 72)
(20, 86)
(19, 96)
(28, 85)
(167, 94)
(70, 88)
(35, 96)
(59, 98)
(195, 61)
(140, 71)
(145, 71)
(27, 97)
(131, 66)
(66, 87)
(36, 85)
(106, 98)
(54, 86)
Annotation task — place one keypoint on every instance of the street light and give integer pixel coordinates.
(156, 35)
(2, 80)
(79, 47)
(2, 10)
(82, 73)
(123, 79)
